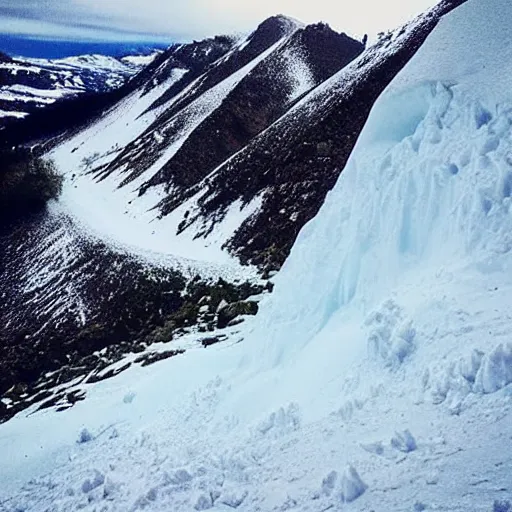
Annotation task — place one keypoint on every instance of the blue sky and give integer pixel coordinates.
(130, 21)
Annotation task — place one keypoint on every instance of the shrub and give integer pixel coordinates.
(27, 183)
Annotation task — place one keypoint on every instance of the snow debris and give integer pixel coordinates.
(129, 397)
(204, 502)
(85, 436)
(495, 370)
(233, 498)
(97, 480)
(329, 482)
(352, 487)
(404, 442)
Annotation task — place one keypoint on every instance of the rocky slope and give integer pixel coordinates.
(27, 85)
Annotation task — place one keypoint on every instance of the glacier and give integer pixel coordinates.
(378, 374)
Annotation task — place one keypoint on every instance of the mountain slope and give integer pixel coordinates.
(30, 84)
(378, 375)
(183, 139)
(136, 193)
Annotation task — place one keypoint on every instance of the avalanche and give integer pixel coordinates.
(377, 376)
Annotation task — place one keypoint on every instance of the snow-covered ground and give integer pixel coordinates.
(378, 376)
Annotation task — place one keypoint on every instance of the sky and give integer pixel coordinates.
(183, 20)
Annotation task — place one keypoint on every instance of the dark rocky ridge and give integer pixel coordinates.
(299, 158)
(261, 97)
(194, 57)
(259, 100)
(268, 33)
(173, 121)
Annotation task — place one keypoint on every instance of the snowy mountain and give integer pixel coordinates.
(376, 376)
(192, 122)
(219, 149)
(29, 84)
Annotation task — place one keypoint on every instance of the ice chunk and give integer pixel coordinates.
(329, 482)
(404, 441)
(496, 370)
(204, 502)
(89, 485)
(233, 499)
(351, 485)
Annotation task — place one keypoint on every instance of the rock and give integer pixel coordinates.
(206, 342)
(323, 149)
(222, 304)
(154, 357)
(229, 312)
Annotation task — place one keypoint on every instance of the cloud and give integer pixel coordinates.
(186, 19)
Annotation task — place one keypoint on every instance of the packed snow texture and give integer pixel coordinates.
(377, 376)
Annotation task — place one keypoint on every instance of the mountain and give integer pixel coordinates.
(212, 157)
(27, 85)
(376, 376)
(184, 128)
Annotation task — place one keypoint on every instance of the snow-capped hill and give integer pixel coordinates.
(27, 85)
(140, 61)
(188, 131)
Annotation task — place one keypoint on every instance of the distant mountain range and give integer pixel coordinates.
(27, 84)
(38, 48)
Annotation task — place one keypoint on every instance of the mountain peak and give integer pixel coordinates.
(279, 23)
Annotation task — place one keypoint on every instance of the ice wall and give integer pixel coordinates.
(427, 187)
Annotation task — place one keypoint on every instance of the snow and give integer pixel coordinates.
(140, 60)
(299, 72)
(5, 113)
(38, 93)
(92, 62)
(376, 377)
